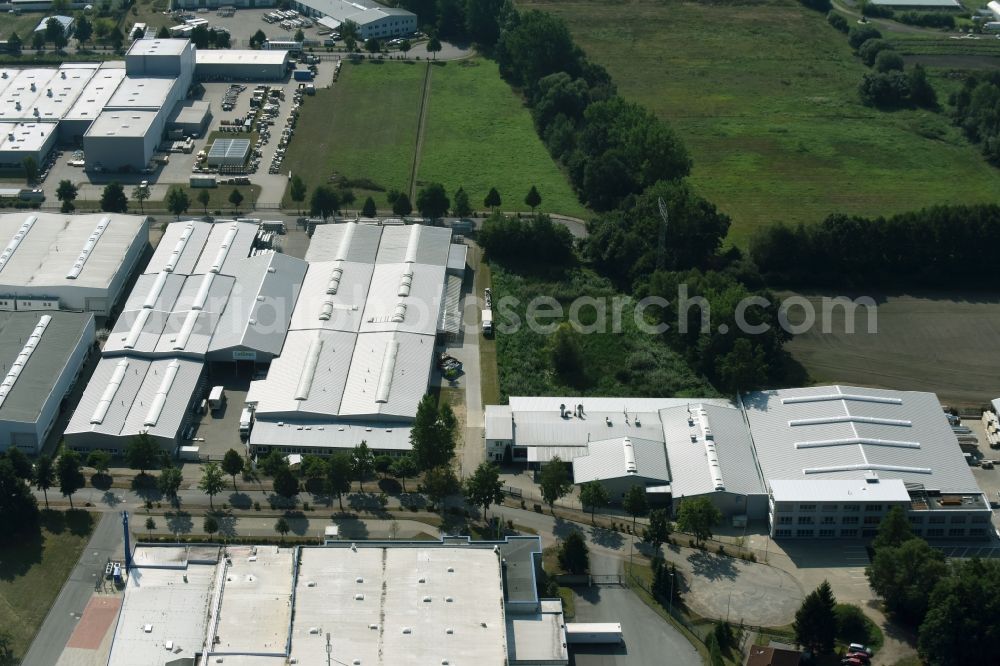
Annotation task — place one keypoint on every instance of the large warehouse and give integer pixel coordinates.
(815, 462)
(360, 348)
(372, 18)
(209, 294)
(56, 261)
(241, 65)
(453, 601)
(41, 354)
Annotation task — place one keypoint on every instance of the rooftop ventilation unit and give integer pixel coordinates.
(201, 298)
(826, 397)
(399, 313)
(132, 339)
(866, 467)
(109, 393)
(88, 247)
(15, 241)
(412, 244)
(405, 282)
(334, 283)
(873, 420)
(156, 289)
(153, 416)
(22, 358)
(345, 241)
(326, 311)
(309, 369)
(227, 242)
(388, 368)
(629, 450)
(848, 441)
(187, 328)
(179, 246)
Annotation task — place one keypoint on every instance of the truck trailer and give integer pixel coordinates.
(594, 633)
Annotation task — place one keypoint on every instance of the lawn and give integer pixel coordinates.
(764, 95)
(365, 126)
(32, 573)
(23, 24)
(479, 135)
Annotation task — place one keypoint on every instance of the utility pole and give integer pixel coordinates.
(671, 608)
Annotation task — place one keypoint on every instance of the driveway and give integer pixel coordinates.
(648, 638)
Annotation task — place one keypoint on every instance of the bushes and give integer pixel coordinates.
(875, 11)
(927, 19)
(869, 50)
(884, 89)
(858, 35)
(818, 5)
(536, 239)
(838, 22)
(888, 61)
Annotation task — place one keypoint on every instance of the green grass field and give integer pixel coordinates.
(764, 94)
(480, 135)
(33, 572)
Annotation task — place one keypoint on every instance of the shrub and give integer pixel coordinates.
(884, 90)
(838, 22)
(927, 19)
(888, 61)
(869, 50)
(858, 35)
(875, 11)
(818, 5)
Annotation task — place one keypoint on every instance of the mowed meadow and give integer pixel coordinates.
(764, 95)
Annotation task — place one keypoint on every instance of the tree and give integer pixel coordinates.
(492, 199)
(236, 198)
(402, 206)
(533, 198)
(297, 191)
(462, 207)
(150, 526)
(257, 39)
(368, 209)
(574, 555)
(116, 39)
(433, 434)
(99, 461)
(433, 46)
(113, 199)
(440, 483)
(838, 22)
(281, 526)
(743, 367)
(594, 495)
(893, 530)
(432, 201)
(816, 621)
(554, 481)
(273, 462)
(211, 482)
(338, 476)
(869, 51)
(285, 484)
(210, 525)
(404, 467)
(904, 576)
(484, 487)
(14, 44)
(658, 531)
(66, 193)
(697, 516)
(140, 193)
(203, 198)
(30, 165)
(714, 651)
(566, 354)
(858, 35)
(45, 476)
(635, 503)
(299, 36)
(852, 625)
(921, 92)
(69, 474)
(164, 33)
(405, 46)
(18, 507)
(349, 29)
(372, 45)
(142, 452)
(324, 201)
(313, 467)
(961, 625)
(232, 464)
(20, 462)
(888, 60)
(54, 32)
(362, 463)
(169, 483)
(383, 465)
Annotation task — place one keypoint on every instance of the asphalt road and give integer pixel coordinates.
(105, 543)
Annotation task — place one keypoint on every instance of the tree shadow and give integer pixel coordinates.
(351, 529)
(313, 486)
(563, 528)
(79, 522)
(144, 486)
(276, 501)
(390, 486)
(363, 502)
(23, 552)
(227, 524)
(240, 501)
(414, 501)
(607, 538)
(712, 567)
(110, 498)
(101, 481)
(179, 522)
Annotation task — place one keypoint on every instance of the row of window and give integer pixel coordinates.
(829, 520)
(954, 520)
(850, 533)
(847, 508)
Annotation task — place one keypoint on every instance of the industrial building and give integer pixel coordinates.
(41, 355)
(210, 294)
(920, 5)
(360, 347)
(55, 261)
(242, 64)
(824, 462)
(372, 602)
(372, 18)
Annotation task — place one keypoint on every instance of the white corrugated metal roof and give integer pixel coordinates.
(838, 490)
(349, 241)
(622, 457)
(341, 310)
(330, 434)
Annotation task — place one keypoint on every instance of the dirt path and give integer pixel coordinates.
(421, 126)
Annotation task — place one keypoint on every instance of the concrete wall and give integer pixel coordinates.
(117, 152)
(390, 26)
(241, 72)
(17, 157)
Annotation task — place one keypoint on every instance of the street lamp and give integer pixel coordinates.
(671, 607)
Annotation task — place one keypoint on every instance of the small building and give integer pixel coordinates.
(623, 462)
(228, 152)
(191, 117)
(241, 65)
(21, 140)
(65, 21)
(373, 19)
(42, 354)
(123, 139)
(772, 656)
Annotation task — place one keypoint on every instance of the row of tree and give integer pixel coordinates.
(888, 86)
(977, 112)
(938, 246)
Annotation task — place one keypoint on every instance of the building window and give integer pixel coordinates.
(829, 508)
(917, 532)
(873, 507)
(805, 520)
(784, 520)
(916, 520)
(850, 520)
(782, 533)
(977, 531)
(827, 533)
(872, 520)
(852, 507)
(935, 532)
(829, 520)
(807, 507)
(958, 520)
(804, 533)
(849, 533)
(980, 518)
(956, 531)
(868, 533)
(936, 520)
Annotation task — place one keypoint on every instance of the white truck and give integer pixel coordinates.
(216, 398)
(594, 633)
(246, 421)
(487, 322)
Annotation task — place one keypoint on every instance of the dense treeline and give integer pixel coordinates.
(888, 86)
(535, 240)
(977, 112)
(934, 247)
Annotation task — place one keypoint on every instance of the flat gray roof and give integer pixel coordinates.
(47, 359)
(622, 457)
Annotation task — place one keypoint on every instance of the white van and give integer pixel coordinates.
(216, 398)
(246, 420)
